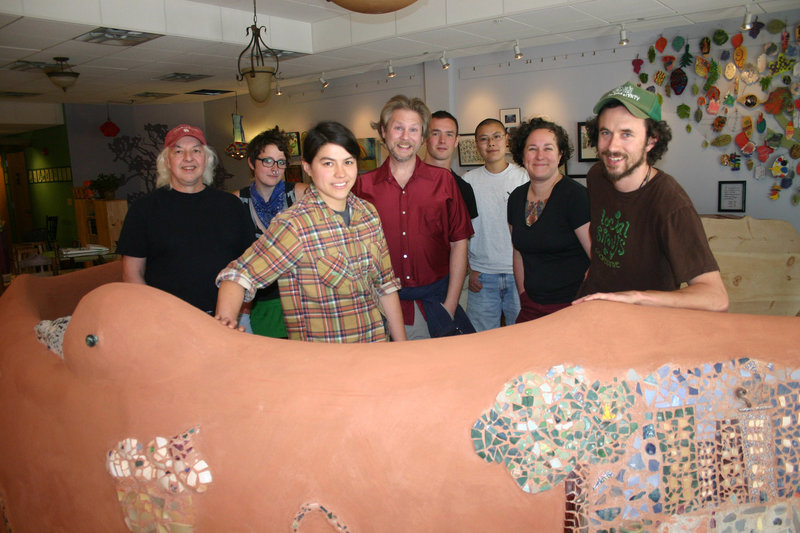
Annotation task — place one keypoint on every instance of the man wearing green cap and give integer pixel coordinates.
(647, 239)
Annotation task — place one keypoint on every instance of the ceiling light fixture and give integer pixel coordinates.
(747, 23)
(372, 7)
(278, 91)
(517, 52)
(63, 78)
(444, 62)
(256, 70)
(390, 73)
(323, 81)
(623, 37)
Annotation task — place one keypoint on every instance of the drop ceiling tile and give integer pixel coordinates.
(558, 19)
(190, 19)
(501, 29)
(331, 33)
(84, 11)
(366, 28)
(448, 38)
(460, 11)
(624, 10)
(422, 16)
(140, 15)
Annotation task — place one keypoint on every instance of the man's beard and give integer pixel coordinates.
(613, 178)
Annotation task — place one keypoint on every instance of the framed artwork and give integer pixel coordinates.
(468, 155)
(585, 151)
(294, 143)
(294, 174)
(510, 117)
(368, 154)
(731, 196)
(580, 178)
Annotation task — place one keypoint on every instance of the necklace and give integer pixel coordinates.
(534, 208)
(647, 177)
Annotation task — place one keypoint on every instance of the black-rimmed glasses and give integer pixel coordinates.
(268, 162)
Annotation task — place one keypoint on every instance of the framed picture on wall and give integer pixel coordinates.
(510, 117)
(731, 196)
(368, 154)
(294, 143)
(294, 174)
(585, 151)
(468, 155)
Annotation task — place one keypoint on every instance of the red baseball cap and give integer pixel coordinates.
(183, 130)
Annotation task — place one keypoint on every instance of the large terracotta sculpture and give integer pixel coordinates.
(600, 416)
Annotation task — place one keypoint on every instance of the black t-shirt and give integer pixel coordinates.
(467, 194)
(554, 260)
(186, 240)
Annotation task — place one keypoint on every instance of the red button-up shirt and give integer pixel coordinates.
(419, 220)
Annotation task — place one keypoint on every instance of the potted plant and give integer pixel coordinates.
(103, 186)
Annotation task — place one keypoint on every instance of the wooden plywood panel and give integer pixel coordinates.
(759, 261)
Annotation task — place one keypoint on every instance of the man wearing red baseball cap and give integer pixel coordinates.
(647, 239)
(178, 237)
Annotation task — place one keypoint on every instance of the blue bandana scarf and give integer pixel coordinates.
(266, 211)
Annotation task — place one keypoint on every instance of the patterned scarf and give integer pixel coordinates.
(266, 211)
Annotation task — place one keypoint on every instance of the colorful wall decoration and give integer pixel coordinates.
(742, 91)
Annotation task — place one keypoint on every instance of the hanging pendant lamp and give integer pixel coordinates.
(238, 148)
(257, 68)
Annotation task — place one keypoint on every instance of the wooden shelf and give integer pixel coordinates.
(100, 221)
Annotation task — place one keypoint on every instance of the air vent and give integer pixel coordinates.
(116, 37)
(209, 92)
(16, 94)
(183, 77)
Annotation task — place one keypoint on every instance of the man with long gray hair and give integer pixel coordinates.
(178, 237)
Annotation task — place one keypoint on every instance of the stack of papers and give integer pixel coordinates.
(92, 249)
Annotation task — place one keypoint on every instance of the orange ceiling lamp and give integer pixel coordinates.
(372, 7)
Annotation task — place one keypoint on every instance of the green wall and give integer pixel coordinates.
(49, 148)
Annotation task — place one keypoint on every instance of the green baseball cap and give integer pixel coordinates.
(640, 103)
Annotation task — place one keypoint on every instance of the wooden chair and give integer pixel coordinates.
(33, 258)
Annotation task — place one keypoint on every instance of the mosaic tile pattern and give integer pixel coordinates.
(308, 508)
(709, 448)
(155, 482)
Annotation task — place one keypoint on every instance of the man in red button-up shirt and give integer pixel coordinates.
(424, 218)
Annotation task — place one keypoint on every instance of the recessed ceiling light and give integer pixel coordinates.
(116, 37)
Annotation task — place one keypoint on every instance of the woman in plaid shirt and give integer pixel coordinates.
(327, 252)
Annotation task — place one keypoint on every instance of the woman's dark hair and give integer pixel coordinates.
(329, 133)
(657, 129)
(265, 138)
(521, 134)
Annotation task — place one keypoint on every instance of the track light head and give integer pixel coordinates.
(323, 82)
(747, 23)
(444, 62)
(390, 73)
(623, 37)
(517, 52)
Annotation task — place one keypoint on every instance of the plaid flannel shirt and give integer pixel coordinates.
(330, 276)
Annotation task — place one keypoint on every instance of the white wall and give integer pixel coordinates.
(562, 82)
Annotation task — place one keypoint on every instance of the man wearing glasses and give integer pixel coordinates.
(492, 291)
(268, 195)
(178, 237)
